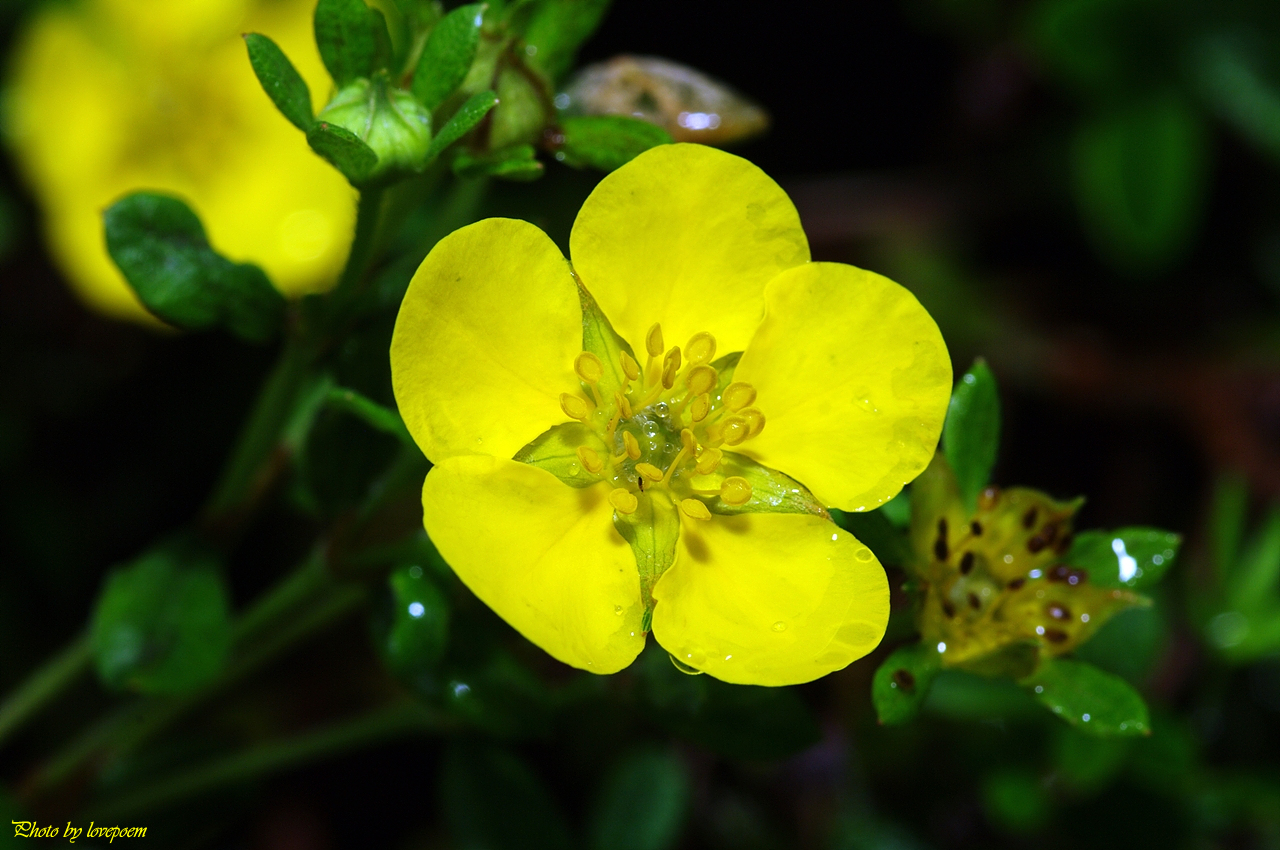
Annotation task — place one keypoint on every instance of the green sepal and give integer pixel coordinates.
(599, 338)
(1011, 661)
(344, 151)
(413, 633)
(556, 28)
(902, 682)
(468, 116)
(606, 142)
(513, 163)
(352, 38)
(652, 530)
(160, 246)
(1126, 557)
(772, 492)
(162, 624)
(280, 80)
(1088, 698)
(524, 110)
(447, 56)
(556, 451)
(971, 435)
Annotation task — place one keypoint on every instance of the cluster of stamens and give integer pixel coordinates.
(667, 426)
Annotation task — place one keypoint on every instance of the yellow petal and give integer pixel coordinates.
(485, 341)
(770, 599)
(544, 556)
(687, 236)
(854, 378)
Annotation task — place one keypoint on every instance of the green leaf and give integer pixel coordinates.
(373, 414)
(281, 81)
(344, 151)
(652, 530)
(902, 681)
(1126, 557)
(556, 29)
(1139, 174)
(1232, 73)
(350, 36)
(1084, 763)
(643, 804)
(971, 436)
(556, 451)
(513, 163)
(160, 246)
(607, 142)
(491, 800)
(772, 492)
(468, 116)
(416, 628)
(1089, 699)
(162, 624)
(1015, 800)
(447, 56)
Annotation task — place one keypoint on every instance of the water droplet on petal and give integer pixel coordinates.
(863, 554)
(617, 609)
(779, 626)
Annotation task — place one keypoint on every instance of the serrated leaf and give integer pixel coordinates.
(556, 451)
(347, 34)
(902, 681)
(344, 151)
(643, 804)
(1089, 699)
(468, 116)
(513, 163)
(162, 624)
(1127, 557)
(971, 436)
(160, 247)
(447, 56)
(556, 29)
(607, 142)
(280, 80)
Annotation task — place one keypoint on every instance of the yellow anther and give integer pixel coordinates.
(735, 491)
(630, 445)
(686, 438)
(590, 461)
(648, 471)
(653, 340)
(755, 420)
(624, 406)
(630, 367)
(734, 430)
(738, 395)
(700, 408)
(700, 348)
(589, 367)
(701, 379)
(708, 461)
(695, 509)
(623, 501)
(670, 366)
(574, 407)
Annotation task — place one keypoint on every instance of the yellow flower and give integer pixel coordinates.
(112, 96)
(736, 567)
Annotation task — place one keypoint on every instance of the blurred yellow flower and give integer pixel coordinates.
(537, 493)
(111, 96)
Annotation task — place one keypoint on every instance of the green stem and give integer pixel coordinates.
(373, 414)
(364, 245)
(265, 759)
(49, 680)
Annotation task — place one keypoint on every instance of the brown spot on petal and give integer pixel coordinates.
(966, 563)
(1057, 611)
(1054, 635)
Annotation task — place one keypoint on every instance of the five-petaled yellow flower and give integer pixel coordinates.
(108, 97)
(591, 486)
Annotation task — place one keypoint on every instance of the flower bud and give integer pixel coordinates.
(387, 119)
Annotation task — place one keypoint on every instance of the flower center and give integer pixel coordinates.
(667, 425)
